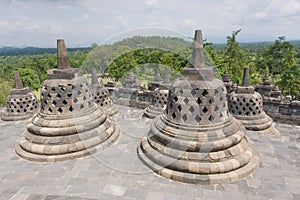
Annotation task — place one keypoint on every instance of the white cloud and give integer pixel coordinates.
(120, 20)
(150, 5)
(189, 22)
(33, 26)
(83, 18)
(64, 7)
(4, 24)
(55, 28)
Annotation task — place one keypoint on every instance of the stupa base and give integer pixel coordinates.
(197, 178)
(152, 112)
(7, 117)
(49, 139)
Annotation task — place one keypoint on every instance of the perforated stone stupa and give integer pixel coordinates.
(69, 124)
(21, 103)
(101, 95)
(160, 98)
(246, 105)
(196, 140)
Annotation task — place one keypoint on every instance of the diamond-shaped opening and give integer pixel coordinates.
(71, 109)
(254, 113)
(184, 117)
(81, 85)
(49, 95)
(186, 100)
(193, 92)
(243, 108)
(221, 98)
(69, 94)
(204, 93)
(79, 92)
(18, 111)
(192, 109)
(173, 115)
(175, 99)
(53, 89)
(180, 92)
(58, 95)
(63, 88)
(211, 118)
(247, 113)
(216, 92)
(75, 100)
(65, 102)
(50, 110)
(84, 98)
(60, 110)
(179, 108)
(198, 118)
(216, 108)
(81, 106)
(198, 100)
(54, 103)
(221, 115)
(211, 100)
(205, 109)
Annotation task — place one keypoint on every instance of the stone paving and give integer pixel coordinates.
(117, 173)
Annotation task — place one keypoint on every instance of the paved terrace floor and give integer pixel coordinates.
(117, 173)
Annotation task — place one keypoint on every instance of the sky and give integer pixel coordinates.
(84, 22)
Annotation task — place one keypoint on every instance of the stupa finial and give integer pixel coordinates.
(246, 80)
(198, 59)
(94, 76)
(18, 81)
(167, 76)
(62, 58)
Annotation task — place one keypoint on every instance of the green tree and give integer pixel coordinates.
(281, 62)
(234, 57)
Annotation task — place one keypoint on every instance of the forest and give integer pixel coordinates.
(279, 59)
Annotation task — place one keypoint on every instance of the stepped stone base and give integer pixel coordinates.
(57, 138)
(208, 158)
(152, 111)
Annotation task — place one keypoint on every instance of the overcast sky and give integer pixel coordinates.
(83, 22)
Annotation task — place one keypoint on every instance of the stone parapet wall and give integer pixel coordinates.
(285, 112)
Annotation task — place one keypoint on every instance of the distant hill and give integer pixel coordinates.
(16, 51)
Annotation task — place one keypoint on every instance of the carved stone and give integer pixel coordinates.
(246, 105)
(21, 103)
(160, 98)
(69, 124)
(101, 95)
(196, 140)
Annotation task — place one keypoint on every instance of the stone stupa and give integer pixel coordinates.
(69, 123)
(246, 105)
(155, 83)
(160, 98)
(101, 95)
(227, 82)
(196, 140)
(21, 104)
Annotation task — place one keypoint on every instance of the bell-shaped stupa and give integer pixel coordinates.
(246, 105)
(101, 95)
(69, 123)
(160, 98)
(196, 140)
(21, 103)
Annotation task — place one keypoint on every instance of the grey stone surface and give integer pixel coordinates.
(277, 176)
(196, 140)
